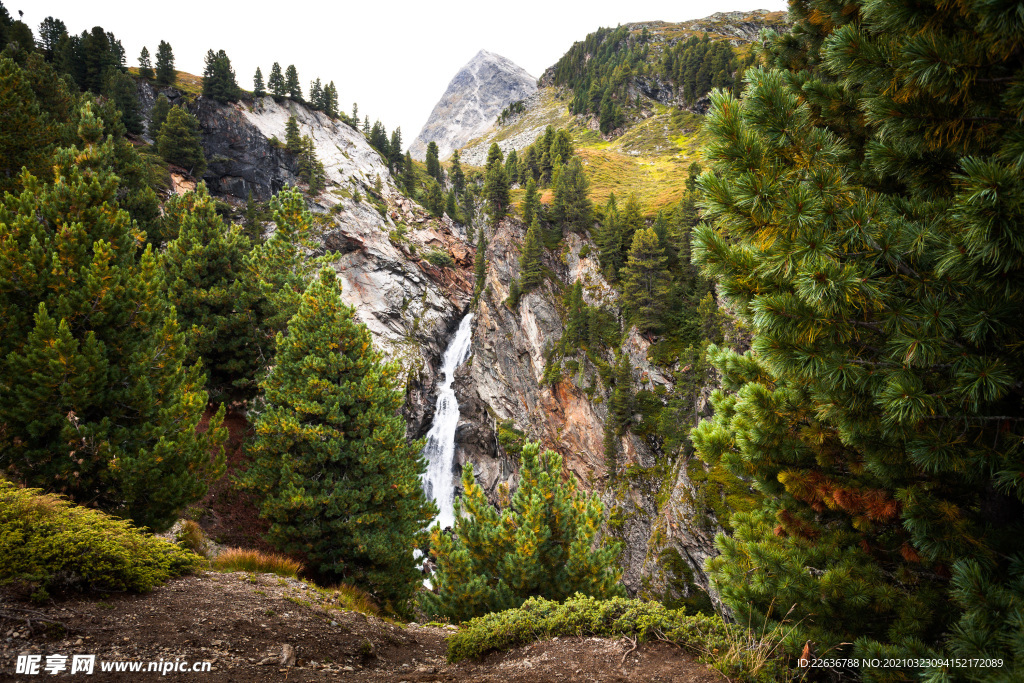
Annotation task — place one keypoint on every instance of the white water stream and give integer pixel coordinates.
(440, 449)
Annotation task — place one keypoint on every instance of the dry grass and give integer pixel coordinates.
(244, 560)
(191, 536)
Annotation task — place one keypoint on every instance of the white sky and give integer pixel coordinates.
(394, 58)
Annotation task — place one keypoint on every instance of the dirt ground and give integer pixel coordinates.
(243, 624)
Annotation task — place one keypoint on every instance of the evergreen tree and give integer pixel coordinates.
(292, 137)
(94, 397)
(275, 82)
(646, 280)
(450, 206)
(165, 74)
(531, 202)
(512, 166)
(253, 229)
(571, 205)
(145, 65)
(395, 157)
(620, 405)
(435, 198)
(496, 186)
(316, 95)
(52, 31)
(409, 175)
(291, 83)
(609, 240)
(379, 140)
(158, 114)
(120, 88)
(25, 133)
(543, 544)
(331, 100)
(219, 81)
(576, 319)
(339, 482)
(311, 169)
(480, 266)
(864, 201)
(632, 220)
(258, 88)
(366, 126)
(179, 141)
(531, 272)
(433, 164)
(204, 279)
(457, 175)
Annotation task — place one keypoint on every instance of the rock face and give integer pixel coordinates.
(409, 305)
(472, 102)
(650, 502)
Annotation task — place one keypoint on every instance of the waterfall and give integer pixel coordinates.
(440, 449)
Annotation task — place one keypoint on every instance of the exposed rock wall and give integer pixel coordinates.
(409, 305)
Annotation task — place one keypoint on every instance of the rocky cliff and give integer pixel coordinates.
(377, 236)
(650, 501)
(471, 103)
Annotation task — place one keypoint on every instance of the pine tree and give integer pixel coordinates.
(433, 164)
(292, 137)
(291, 83)
(632, 220)
(25, 135)
(543, 544)
(219, 81)
(861, 197)
(450, 206)
(496, 185)
(145, 65)
(316, 94)
(435, 198)
(576, 318)
(339, 482)
(531, 202)
(94, 397)
(165, 74)
(179, 141)
(120, 88)
(512, 166)
(52, 32)
(253, 229)
(204, 279)
(571, 205)
(480, 266)
(331, 100)
(531, 273)
(620, 405)
(275, 82)
(258, 88)
(646, 281)
(409, 175)
(609, 240)
(158, 115)
(395, 157)
(457, 175)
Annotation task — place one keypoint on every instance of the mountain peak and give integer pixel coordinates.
(470, 105)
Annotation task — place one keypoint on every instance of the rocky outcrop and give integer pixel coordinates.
(471, 103)
(650, 501)
(376, 235)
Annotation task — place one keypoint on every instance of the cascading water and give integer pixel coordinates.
(440, 448)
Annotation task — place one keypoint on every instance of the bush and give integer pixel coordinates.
(729, 648)
(441, 259)
(243, 560)
(47, 543)
(191, 537)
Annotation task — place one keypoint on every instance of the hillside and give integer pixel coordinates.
(650, 150)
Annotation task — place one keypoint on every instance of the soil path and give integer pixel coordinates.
(242, 623)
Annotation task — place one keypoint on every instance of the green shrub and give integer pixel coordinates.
(727, 647)
(441, 259)
(48, 543)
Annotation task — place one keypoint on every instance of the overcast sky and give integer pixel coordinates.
(395, 58)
